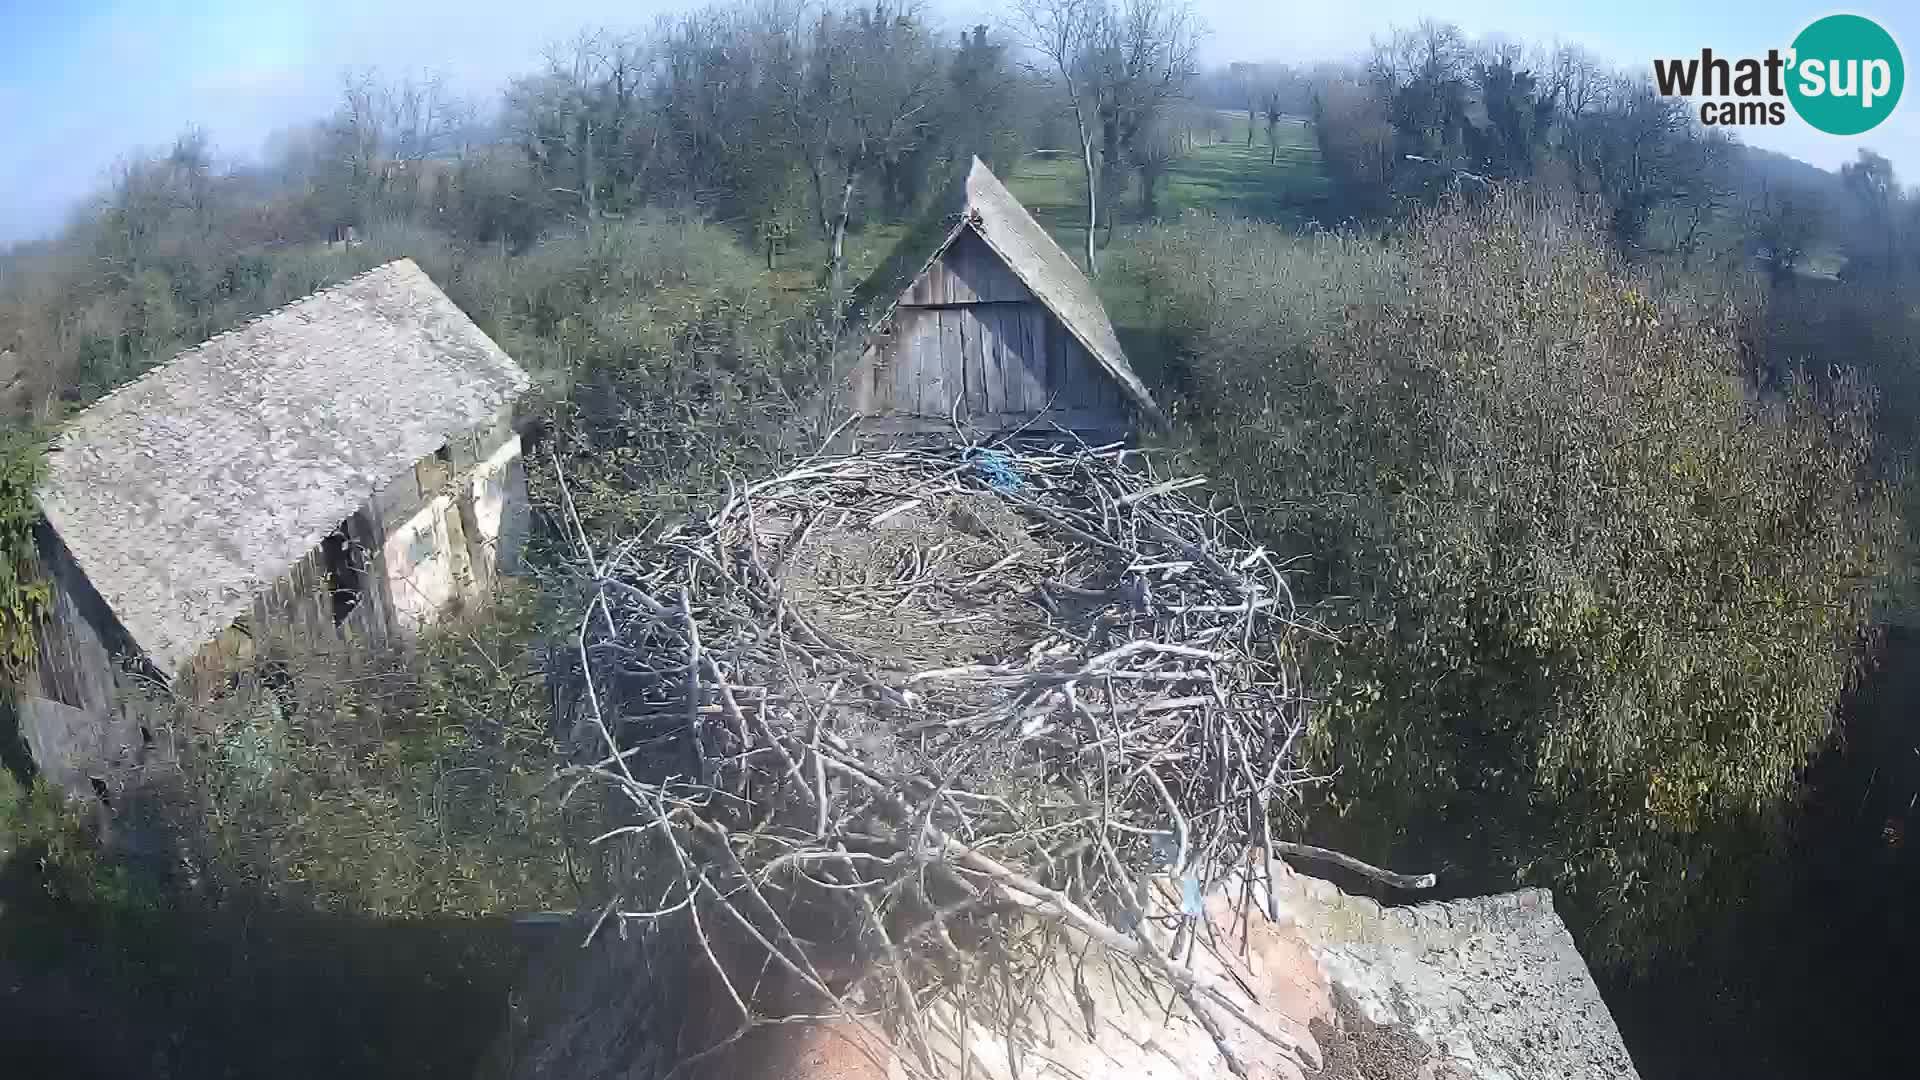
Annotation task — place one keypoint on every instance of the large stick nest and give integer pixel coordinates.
(875, 715)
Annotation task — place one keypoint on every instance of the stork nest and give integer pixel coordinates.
(878, 717)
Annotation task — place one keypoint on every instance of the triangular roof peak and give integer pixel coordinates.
(990, 211)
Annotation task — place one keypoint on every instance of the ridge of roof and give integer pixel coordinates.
(1056, 279)
(1001, 220)
(189, 490)
(400, 264)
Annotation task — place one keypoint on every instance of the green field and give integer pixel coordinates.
(1283, 183)
(1221, 174)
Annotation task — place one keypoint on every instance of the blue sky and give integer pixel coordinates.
(85, 82)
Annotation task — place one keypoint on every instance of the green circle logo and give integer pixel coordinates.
(1846, 74)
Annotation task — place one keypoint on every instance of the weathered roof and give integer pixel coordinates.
(187, 492)
(990, 210)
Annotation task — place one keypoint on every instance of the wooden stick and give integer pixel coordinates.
(1341, 859)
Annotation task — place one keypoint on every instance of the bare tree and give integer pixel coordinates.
(154, 203)
(1424, 71)
(1644, 153)
(1213, 124)
(1246, 78)
(1064, 34)
(582, 121)
(382, 128)
(855, 90)
(1870, 180)
(1270, 104)
(1430, 51)
(1117, 70)
(1146, 62)
(1153, 154)
(1577, 83)
(719, 98)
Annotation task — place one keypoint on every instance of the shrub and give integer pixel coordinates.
(680, 366)
(390, 784)
(1597, 597)
(23, 593)
(42, 828)
(1816, 327)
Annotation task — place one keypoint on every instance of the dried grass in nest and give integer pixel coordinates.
(909, 705)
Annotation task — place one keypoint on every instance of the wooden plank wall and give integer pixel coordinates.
(298, 607)
(969, 273)
(968, 336)
(73, 660)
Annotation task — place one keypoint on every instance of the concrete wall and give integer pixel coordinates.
(462, 537)
(498, 498)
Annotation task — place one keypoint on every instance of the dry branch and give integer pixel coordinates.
(879, 709)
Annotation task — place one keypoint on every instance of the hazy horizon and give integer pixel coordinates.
(241, 72)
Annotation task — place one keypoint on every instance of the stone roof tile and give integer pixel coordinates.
(190, 490)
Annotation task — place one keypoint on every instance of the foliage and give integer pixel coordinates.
(39, 826)
(23, 593)
(108, 969)
(390, 785)
(681, 367)
(1356, 140)
(1433, 114)
(1598, 598)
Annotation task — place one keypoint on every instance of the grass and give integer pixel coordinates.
(1223, 174)
(797, 269)
(309, 908)
(1282, 183)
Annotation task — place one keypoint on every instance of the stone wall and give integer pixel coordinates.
(1493, 986)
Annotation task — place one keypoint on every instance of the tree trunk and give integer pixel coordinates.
(1249, 126)
(586, 173)
(1088, 172)
(1093, 201)
(1111, 172)
(837, 253)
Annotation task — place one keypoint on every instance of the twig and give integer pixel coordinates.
(1341, 859)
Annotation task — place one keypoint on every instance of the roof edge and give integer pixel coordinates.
(240, 327)
(969, 216)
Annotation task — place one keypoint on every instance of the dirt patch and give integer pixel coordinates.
(1359, 1049)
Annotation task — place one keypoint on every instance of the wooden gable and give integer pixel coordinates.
(969, 340)
(968, 272)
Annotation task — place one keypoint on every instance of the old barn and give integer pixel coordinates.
(342, 468)
(995, 331)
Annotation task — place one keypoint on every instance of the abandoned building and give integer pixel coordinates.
(994, 331)
(342, 468)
